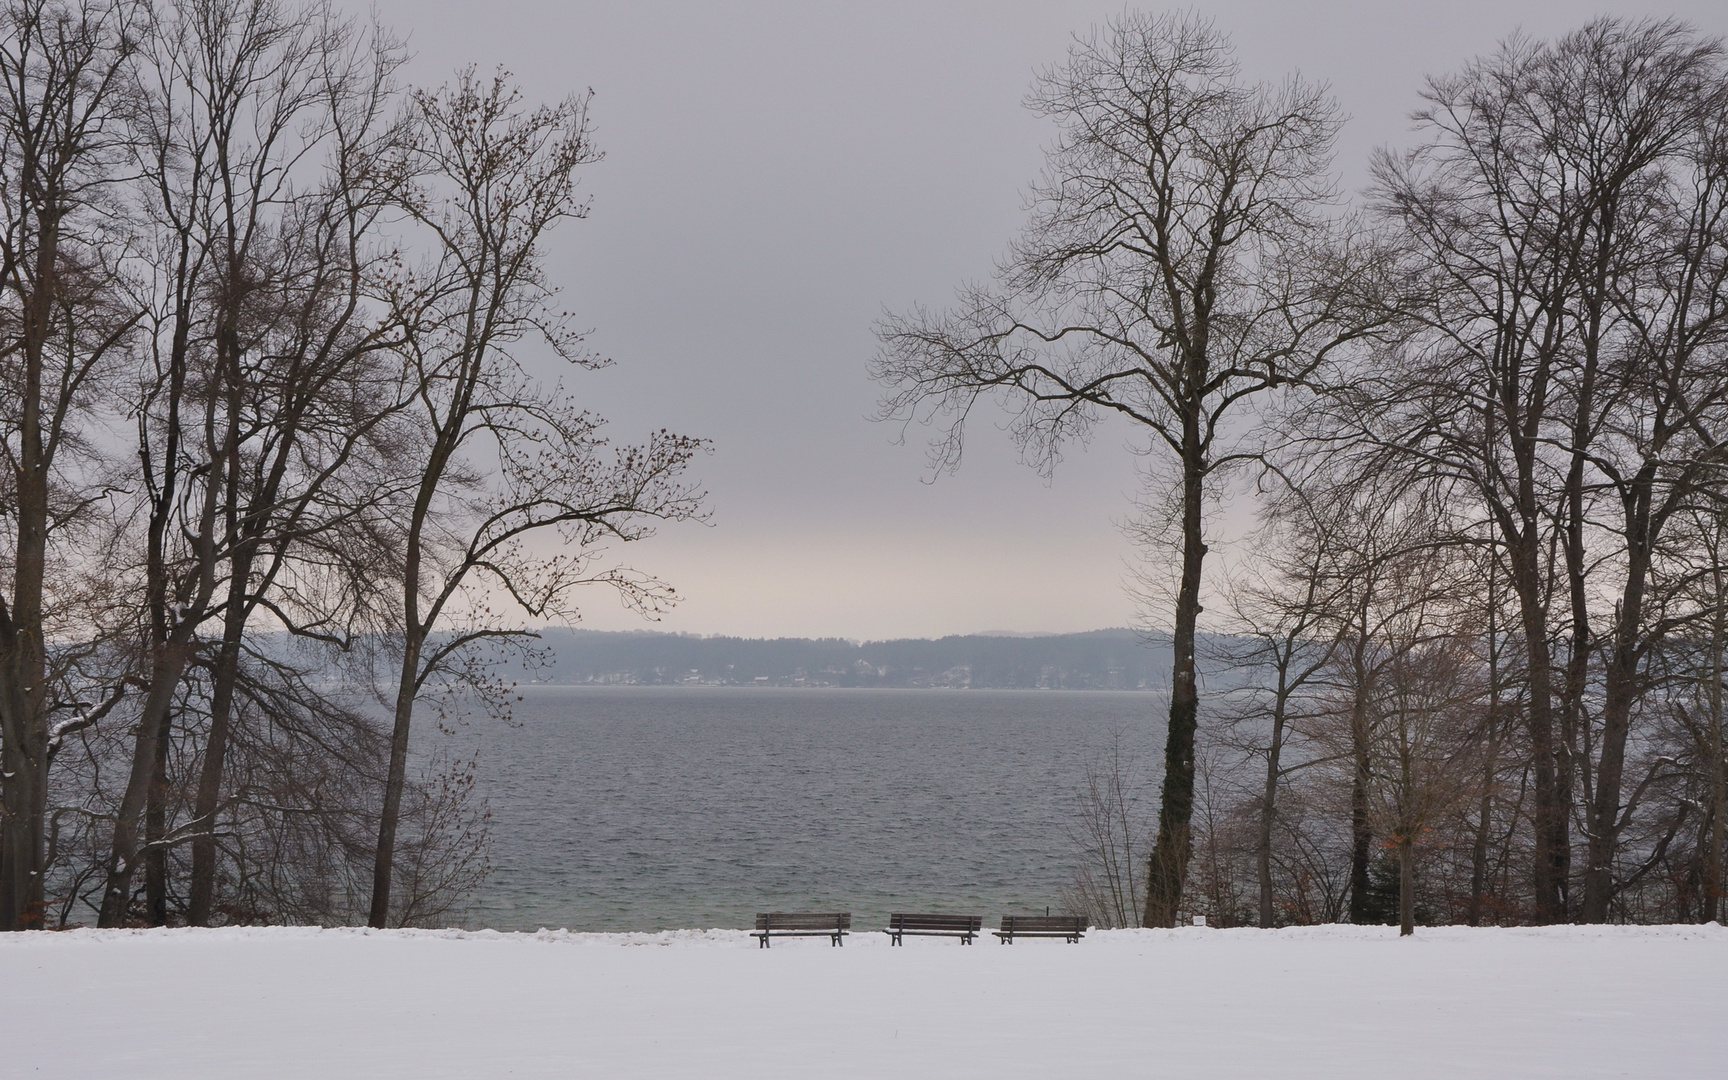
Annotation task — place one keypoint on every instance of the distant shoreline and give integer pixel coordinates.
(1116, 659)
(867, 689)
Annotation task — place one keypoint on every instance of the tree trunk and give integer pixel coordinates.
(1569, 762)
(1406, 885)
(1490, 760)
(1269, 793)
(1361, 828)
(1268, 810)
(21, 848)
(201, 890)
(156, 827)
(1717, 861)
(384, 858)
(23, 727)
(1484, 823)
(1479, 854)
(1168, 867)
(1620, 694)
(1551, 867)
(1603, 812)
(1715, 910)
(123, 860)
(23, 723)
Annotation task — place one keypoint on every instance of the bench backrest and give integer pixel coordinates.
(800, 920)
(1044, 924)
(955, 923)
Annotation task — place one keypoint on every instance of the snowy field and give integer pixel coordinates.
(1333, 1002)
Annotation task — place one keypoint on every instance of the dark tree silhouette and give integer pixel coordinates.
(1180, 260)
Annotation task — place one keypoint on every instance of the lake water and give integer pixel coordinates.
(638, 808)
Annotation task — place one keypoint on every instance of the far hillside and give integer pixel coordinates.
(1114, 659)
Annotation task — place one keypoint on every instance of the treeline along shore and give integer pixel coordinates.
(1114, 659)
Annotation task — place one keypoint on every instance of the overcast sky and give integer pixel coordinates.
(777, 174)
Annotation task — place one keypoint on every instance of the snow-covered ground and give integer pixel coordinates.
(1332, 1002)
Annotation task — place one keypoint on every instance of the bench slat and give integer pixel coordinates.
(900, 921)
(832, 925)
(800, 920)
(1023, 923)
(929, 924)
(1063, 926)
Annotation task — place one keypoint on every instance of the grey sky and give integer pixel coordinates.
(778, 173)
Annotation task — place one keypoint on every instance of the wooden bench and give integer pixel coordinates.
(964, 927)
(802, 924)
(1062, 926)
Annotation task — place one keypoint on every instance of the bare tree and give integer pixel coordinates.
(1179, 261)
(1558, 218)
(1283, 609)
(1113, 833)
(1500, 715)
(1690, 748)
(1425, 696)
(1712, 740)
(63, 321)
(316, 389)
(221, 193)
(257, 150)
(1656, 448)
(493, 180)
